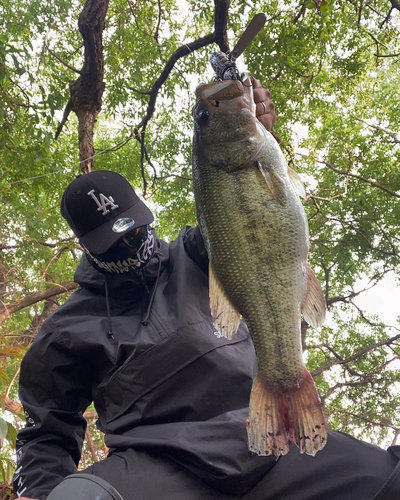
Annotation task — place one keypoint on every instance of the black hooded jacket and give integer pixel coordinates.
(160, 376)
(171, 396)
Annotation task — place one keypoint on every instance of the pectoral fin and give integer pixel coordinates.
(275, 184)
(314, 307)
(225, 317)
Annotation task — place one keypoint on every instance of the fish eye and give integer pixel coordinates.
(203, 118)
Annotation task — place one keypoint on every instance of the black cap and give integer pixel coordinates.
(100, 207)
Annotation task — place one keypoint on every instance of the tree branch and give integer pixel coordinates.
(356, 176)
(12, 406)
(91, 446)
(180, 52)
(381, 129)
(378, 424)
(392, 253)
(42, 243)
(219, 36)
(334, 362)
(387, 55)
(363, 378)
(301, 12)
(221, 24)
(33, 298)
(163, 177)
(46, 44)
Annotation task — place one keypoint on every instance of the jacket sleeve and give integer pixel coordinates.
(55, 389)
(194, 245)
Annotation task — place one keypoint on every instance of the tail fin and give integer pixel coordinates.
(277, 419)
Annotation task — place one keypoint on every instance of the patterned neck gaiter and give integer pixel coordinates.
(124, 259)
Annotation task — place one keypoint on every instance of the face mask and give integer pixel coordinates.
(129, 254)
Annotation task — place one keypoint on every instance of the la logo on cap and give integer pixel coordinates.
(104, 202)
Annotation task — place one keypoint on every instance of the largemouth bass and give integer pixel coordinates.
(256, 234)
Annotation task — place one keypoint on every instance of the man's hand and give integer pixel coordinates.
(265, 108)
(25, 498)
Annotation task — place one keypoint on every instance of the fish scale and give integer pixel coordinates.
(256, 234)
(241, 271)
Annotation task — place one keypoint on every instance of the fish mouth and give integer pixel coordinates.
(221, 91)
(225, 97)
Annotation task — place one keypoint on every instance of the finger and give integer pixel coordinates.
(261, 108)
(267, 120)
(267, 117)
(261, 94)
(265, 107)
(256, 83)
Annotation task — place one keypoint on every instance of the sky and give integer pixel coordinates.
(383, 300)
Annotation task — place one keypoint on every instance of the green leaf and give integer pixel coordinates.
(2, 403)
(12, 433)
(324, 8)
(3, 431)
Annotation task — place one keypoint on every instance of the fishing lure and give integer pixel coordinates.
(225, 68)
(224, 65)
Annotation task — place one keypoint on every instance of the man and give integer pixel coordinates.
(171, 394)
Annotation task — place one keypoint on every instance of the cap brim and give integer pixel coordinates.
(103, 237)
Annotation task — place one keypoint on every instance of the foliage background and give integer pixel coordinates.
(333, 70)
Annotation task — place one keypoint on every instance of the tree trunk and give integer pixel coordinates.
(87, 91)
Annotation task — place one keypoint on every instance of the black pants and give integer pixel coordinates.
(346, 469)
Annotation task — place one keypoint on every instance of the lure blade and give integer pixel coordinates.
(252, 30)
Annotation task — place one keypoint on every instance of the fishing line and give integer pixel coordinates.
(245, 85)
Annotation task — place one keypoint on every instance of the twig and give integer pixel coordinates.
(34, 298)
(12, 382)
(334, 362)
(387, 55)
(142, 152)
(12, 406)
(301, 13)
(91, 446)
(374, 10)
(180, 52)
(46, 44)
(386, 20)
(218, 36)
(365, 419)
(376, 127)
(158, 21)
(141, 92)
(364, 179)
(392, 253)
(340, 195)
(13, 101)
(364, 379)
(163, 177)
